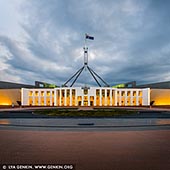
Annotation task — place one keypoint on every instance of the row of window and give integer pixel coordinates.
(41, 93)
(85, 103)
(107, 93)
(129, 93)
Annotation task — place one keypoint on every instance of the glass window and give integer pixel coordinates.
(36, 93)
(123, 93)
(42, 93)
(97, 92)
(103, 93)
(73, 92)
(68, 93)
(113, 92)
(140, 93)
(108, 93)
(85, 91)
(62, 93)
(30, 93)
(48, 93)
(134, 93)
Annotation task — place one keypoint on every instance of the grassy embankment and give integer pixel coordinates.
(85, 113)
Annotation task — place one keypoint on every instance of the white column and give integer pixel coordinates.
(88, 98)
(115, 97)
(137, 102)
(51, 94)
(147, 93)
(146, 97)
(100, 96)
(60, 97)
(45, 98)
(120, 98)
(23, 96)
(55, 97)
(39, 98)
(65, 96)
(95, 97)
(70, 97)
(33, 98)
(110, 97)
(105, 97)
(125, 97)
(131, 98)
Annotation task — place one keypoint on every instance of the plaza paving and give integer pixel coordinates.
(114, 150)
(90, 144)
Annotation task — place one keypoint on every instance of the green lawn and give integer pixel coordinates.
(85, 113)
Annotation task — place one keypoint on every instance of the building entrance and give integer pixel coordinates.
(91, 103)
(85, 103)
(79, 103)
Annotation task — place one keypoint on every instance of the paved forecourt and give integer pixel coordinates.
(94, 150)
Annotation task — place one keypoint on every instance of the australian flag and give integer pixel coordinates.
(89, 37)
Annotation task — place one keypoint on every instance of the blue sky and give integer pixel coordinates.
(43, 40)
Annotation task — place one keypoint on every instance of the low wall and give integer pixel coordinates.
(161, 97)
(9, 97)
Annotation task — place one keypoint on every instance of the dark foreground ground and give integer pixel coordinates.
(145, 148)
(113, 150)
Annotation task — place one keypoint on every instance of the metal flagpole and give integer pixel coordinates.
(85, 52)
(85, 56)
(85, 66)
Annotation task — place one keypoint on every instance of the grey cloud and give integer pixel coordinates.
(131, 40)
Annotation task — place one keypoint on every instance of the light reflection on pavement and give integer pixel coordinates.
(5, 122)
(163, 122)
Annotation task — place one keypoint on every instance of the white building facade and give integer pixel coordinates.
(78, 96)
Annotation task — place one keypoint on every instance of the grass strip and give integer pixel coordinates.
(85, 113)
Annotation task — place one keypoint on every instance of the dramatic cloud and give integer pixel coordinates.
(132, 40)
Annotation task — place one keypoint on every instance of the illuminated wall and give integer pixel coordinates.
(92, 96)
(9, 96)
(160, 96)
(37, 97)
